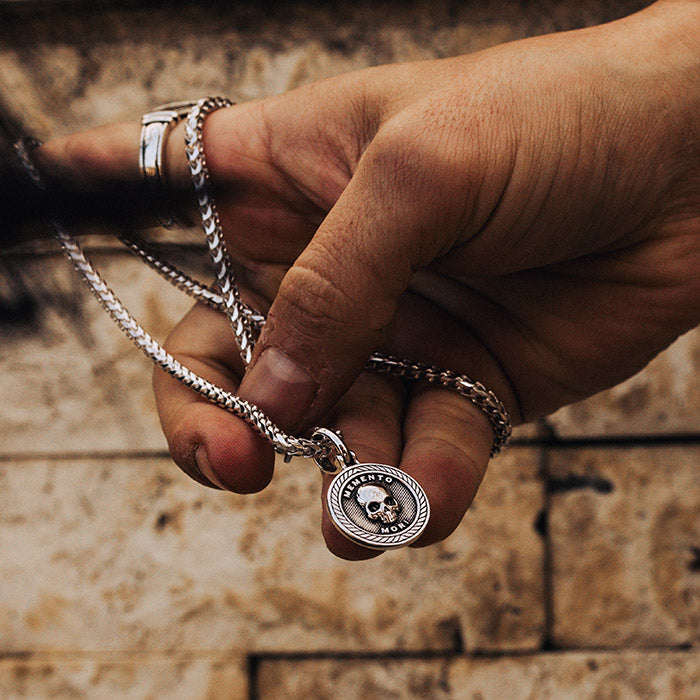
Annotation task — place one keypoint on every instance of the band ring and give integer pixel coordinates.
(155, 127)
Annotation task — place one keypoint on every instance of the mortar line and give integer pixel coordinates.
(449, 654)
(119, 655)
(600, 442)
(547, 554)
(615, 441)
(253, 666)
(83, 456)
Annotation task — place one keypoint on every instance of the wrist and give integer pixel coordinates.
(655, 54)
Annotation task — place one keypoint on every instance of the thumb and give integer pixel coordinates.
(334, 302)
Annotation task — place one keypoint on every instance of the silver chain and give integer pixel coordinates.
(245, 321)
(283, 443)
(232, 303)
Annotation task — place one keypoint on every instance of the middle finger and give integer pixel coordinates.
(369, 417)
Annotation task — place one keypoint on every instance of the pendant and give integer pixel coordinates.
(378, 506)
(375, 505)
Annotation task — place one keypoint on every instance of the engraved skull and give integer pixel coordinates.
(378, 503)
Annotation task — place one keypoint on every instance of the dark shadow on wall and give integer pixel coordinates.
(339, 24)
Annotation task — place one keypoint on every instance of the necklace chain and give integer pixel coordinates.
(245, 321)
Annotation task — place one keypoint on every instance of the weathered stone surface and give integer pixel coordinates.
(106, 677)
(128, 554)
(580, 676)
(574, 676)
(126, 557)
(663, 398)
(354, 679)
(72, 381)
(67, 70)
(625, 545)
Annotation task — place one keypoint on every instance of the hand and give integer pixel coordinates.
(528, 215)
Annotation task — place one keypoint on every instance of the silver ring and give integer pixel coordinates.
(155, 127)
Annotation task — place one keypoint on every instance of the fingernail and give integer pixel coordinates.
(204, 466)
(280, 387)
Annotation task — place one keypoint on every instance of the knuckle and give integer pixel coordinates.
(463, 424)
(397, 158)
(420, 165)
(321, 293)
(358, 257)
(310, 300)
(339, 289)
(378, 397)
(421, 145)
(447, 455)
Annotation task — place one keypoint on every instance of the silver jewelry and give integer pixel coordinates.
(375, 505)
(155, 127)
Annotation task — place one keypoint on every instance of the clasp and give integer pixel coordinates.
(339, 454)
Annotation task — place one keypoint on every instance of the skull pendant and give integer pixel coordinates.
(377, 506)
(378, 503)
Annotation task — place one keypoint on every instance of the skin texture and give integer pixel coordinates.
(528, 215)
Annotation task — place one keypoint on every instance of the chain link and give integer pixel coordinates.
(232, 303)
(283, 443)
(245, 321)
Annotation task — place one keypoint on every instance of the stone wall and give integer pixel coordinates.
(576, 573)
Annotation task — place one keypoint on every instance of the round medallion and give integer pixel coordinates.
(378, 506)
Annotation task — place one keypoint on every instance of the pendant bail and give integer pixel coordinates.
(339, 455)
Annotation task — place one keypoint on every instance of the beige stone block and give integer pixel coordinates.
(109, 676)
(574, 676)
(72, 381)
(120, 554)
(624, 526)
(664, 398)
(626, 675)
(354, 679)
